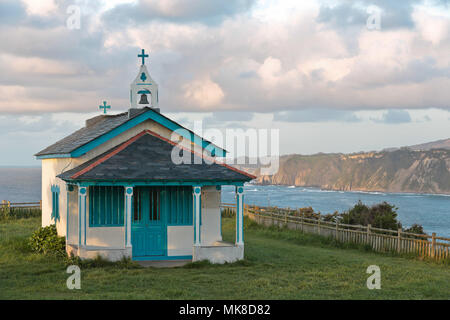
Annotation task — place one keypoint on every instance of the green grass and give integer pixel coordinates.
(279, 264)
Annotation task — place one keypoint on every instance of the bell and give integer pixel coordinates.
(143, 99)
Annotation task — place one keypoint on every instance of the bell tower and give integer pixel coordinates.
(143, 90)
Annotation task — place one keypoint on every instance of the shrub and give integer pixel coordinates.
(381, 215)
(415, 228)
(306, 212)
(18, 213)
(331, 217)
(45, 240)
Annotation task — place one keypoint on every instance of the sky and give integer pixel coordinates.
(331, 76)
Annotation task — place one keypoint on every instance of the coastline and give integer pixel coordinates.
(358, 190)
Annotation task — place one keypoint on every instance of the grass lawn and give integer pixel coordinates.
(279, 265)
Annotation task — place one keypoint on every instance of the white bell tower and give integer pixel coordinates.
(143, 90)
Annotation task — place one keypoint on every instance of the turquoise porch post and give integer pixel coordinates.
(82, 193)
(240, 216)
(197, 194)
(67, 215)
(128, 214)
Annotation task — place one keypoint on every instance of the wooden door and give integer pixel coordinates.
(149, 227)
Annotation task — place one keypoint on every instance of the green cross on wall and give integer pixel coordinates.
(104, 107)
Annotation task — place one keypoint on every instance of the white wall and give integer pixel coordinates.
(50, 169)
(180, 240)
(73, 216)
(113, 237)
(211, 224)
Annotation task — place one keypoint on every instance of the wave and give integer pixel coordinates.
(317, 190)
(410, 194)
(369, 192)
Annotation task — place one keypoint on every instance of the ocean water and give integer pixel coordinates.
(431, 211)
(20, 184)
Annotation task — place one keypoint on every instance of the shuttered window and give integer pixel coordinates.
(177, 203)
(55, 203)
(106, 206)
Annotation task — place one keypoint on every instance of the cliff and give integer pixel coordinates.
(402, 170)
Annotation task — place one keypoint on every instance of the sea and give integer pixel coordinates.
(432, 211)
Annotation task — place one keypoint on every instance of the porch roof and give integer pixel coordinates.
(148, 157)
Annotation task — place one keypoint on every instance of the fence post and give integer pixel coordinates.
(318, 225)
(258, 213)
(301, 218)
(285, 217)
(337, 229)
(40, 204)
(399, 240)
(433, 245)
(369, 235)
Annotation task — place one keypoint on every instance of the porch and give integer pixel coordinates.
(165, 227)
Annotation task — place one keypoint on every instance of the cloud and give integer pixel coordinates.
(394, 117)
(317, 115)
(346, 13)
(10, 125)
(233, 116)
(180, 11)
(41, 7)
(225, 118)
(21, 136)
(204, 93)
(263, 56)
(432, 27)
(11, 11)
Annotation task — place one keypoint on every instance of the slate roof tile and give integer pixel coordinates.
(147, 157)
(85, 135)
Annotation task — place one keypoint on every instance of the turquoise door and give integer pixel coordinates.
(149, 227)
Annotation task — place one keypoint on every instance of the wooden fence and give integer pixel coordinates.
(380, 240)
(5, 204)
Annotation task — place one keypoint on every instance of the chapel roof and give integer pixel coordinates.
(148, 157)
(98, 127)
(94, 128)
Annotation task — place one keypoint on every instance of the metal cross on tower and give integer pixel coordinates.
(143, 56)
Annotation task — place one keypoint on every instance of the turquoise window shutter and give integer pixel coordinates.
(55, 203)
(177, 204)
(106, 206)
